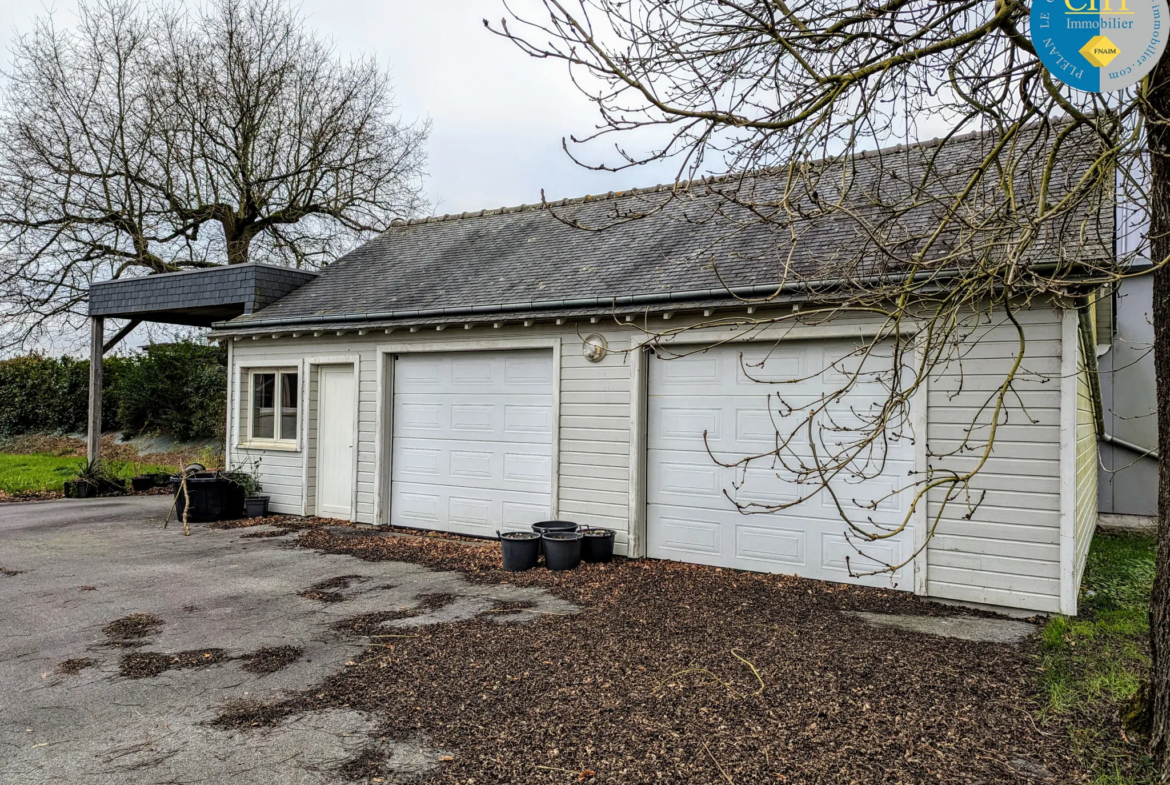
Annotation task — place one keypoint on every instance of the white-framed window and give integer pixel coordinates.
(275, 406)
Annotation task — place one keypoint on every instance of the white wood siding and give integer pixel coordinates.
(1008, 553)
(594, 485)
(1086, 477)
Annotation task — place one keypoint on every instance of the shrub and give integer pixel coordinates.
(175, 389)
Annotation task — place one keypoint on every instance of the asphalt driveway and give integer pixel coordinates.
(121, 641)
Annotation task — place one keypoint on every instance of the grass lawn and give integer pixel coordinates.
(1093, 664)
(23, 475)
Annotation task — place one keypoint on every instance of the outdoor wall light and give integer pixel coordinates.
(595, 348)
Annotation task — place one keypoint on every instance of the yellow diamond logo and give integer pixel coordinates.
(1100, 51)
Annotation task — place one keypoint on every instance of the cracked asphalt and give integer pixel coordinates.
(68, 568)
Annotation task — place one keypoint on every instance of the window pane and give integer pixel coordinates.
(263, 405)
(288, 406)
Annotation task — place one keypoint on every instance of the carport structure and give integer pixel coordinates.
(195, 298)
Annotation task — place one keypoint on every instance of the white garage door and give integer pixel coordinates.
(689, 516)
(472, 446)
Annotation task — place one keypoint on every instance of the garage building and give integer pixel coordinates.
(480, 372)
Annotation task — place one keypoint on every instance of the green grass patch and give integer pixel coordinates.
(1094, 664)
(24, 475)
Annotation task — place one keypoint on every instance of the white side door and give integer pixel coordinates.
(472, 442)
(335, 441)
(705, 410)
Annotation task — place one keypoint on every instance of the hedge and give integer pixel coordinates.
(176, 389)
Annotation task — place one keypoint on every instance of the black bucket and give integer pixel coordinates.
(520, 549)
(562, 550)
(553, 526)
(597, 545)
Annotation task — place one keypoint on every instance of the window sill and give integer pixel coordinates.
(279, 446)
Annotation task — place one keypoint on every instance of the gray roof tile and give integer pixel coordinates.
(539, 257)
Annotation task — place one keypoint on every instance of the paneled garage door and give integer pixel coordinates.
(472, 446)
(689, 517)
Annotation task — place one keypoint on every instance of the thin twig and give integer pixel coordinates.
(726, 776)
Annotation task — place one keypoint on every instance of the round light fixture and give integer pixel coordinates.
(595, 348)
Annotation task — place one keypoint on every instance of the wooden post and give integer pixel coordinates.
(96, 350)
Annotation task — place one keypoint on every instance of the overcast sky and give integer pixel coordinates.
(498, 116)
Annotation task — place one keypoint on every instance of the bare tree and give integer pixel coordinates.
(782, 100)
(147, 139)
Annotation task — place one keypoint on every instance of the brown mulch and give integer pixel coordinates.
(266, 534)
(271, 659)
(288, 522)
(148, 664)
(132, 627)
(683, 673)
(75, 666)
(30, 496)
(329, 590)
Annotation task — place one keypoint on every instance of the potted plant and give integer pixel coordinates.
(247, 480)
(92, 479)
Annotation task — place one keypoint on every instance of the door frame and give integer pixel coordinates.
(640, 415)
(313, 367)
(384, 414)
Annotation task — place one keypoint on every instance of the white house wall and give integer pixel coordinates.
(594, 440)
(1008, 554)
(280, 471)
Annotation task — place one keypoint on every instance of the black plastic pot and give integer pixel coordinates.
(597, 545)
(111, 486)
(79, 489)
(552, 526)
(255, 506)
(142, 483)
(213, 498)
(562, 550)
(520, 550)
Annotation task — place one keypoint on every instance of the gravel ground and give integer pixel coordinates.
(674, 673)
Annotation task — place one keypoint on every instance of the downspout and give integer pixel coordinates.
(1088, 336)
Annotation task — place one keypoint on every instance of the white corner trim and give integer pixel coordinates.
(920, 421)
(1069, 355)
(357, 437)
(383, 424)
(636, 524)
(229, 428)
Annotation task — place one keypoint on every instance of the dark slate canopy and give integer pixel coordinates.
(195, 297)
(666, 244)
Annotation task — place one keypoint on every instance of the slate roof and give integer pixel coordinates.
(691, 244)
(195, 297)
